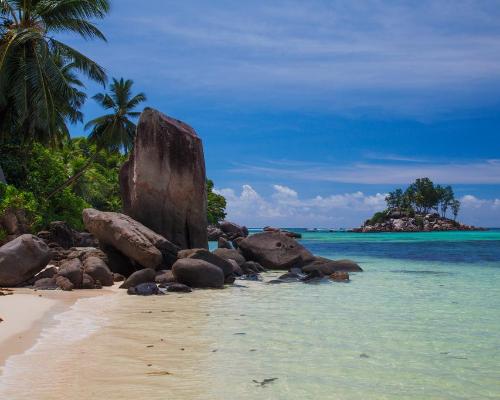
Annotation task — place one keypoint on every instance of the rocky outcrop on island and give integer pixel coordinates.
(227, 231)
(401, 222)
(163, 182)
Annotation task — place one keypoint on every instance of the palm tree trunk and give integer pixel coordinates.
(2, 176)
(73, 178)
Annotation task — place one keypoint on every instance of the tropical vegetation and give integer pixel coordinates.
(50, 175)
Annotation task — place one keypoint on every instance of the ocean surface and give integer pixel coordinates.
(421, 322)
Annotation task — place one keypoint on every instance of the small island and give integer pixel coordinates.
(422, 207)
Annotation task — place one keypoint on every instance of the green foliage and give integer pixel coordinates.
(422, 196)
(116, 131)
(378, 217)
(216, 205)
(39, 91)
(12, 199)
(35, 171)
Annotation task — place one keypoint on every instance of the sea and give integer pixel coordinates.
(421, 322)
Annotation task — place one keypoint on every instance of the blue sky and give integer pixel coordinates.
(311, 111)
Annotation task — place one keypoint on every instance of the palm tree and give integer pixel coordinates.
(34, 90)
(116, 131)
(112, 132)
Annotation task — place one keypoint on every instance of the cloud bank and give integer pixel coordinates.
(285, 208)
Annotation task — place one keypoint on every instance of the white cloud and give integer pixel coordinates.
(285, 208)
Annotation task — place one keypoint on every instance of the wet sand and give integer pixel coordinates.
(115, 347)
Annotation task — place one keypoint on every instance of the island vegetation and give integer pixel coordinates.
(422, 206)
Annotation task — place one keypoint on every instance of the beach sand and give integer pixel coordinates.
(112, 347)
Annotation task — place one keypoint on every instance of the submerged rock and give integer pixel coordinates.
(163, 182)
(21, 259)
(179, 288)
(328, 267)
(340, 276)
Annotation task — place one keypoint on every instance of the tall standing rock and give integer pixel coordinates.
(163, 182)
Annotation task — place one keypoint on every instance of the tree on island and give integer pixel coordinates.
(421, 197)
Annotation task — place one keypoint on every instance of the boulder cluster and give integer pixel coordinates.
(417, 223)
(118, 248)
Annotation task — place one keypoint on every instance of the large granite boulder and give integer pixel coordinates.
(198, 273)
(328, 267)
(205, 255)
(275, 250)
(21, 259)
(131, 238)
(163, 182)
(73, 271)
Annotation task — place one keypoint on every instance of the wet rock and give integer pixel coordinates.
(229, 254)
(198, 273)
(205, 255)
(275, 250)
(251, 277)
(88, 282)
(164, 277)
(98, 270)
(144, 289)
(21, 259)
(313, 277)
(142, 276)
(163, 182)
(178, 287)
(251, 267)
(118, 277)
(45, 284)
(340, 276)
(73, 271)
(328, 267)
(237, 271)
(290, 277)
(64, 283)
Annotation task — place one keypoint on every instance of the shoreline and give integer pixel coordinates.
(27, 314)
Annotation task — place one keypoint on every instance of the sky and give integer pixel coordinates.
(310, 112)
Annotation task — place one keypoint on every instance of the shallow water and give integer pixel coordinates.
(422, 322)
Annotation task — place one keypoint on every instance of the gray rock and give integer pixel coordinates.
(64, 284)
(144, 289)
(179, 287)
(21, 259)
(88, 282)
(205, 255)
(228, 254)
(328, 267)
(98, 270)
(198, 273)
(146, 275)
(130, 237)
(252, 267)
(163, 182)
(45, 284)
(232, 230)
(164, 277)
(275, 250)
(73, 271)
(223, 243)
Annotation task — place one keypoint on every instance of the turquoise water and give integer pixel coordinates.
(422, 322)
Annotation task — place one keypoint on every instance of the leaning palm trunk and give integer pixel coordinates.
(2, 176)
(73, 178)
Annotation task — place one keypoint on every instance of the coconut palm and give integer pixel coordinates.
(116, 131)
(35, 90)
